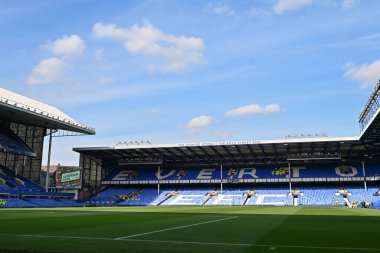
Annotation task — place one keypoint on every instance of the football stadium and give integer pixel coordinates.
(201, 126)
(299, 194)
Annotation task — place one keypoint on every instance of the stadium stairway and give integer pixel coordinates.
(248, 198)
(347, 201)
(162, 201)
(209, 196)
(164, 196)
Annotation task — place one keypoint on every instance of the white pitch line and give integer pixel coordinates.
(59, 237)
(194, 242)
(174, 228)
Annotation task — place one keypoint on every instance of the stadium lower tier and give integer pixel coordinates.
(7, 202)
(13, 185)
(330, 195)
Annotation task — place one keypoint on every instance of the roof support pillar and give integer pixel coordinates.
(290, 178)
(365, 180)
(221, 177)
(158, 180)
(48, 162)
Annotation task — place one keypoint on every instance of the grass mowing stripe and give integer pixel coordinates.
(174, 228)
(127, 240)
(254, 245)
(196, 243)
(258, 229)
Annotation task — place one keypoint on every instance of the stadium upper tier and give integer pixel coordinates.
(243, 175)
(20, 109)
(11, 143)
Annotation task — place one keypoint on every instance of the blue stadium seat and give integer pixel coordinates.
(11, 143)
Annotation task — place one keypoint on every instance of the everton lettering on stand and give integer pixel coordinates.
(243, 174)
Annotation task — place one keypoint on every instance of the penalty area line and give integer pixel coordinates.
(174, 228)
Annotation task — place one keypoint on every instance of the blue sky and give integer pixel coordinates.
(191, 71)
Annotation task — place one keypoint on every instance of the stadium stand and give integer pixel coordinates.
(16, 185)
(242, 186)
(11, 143)
(24, 124)
(318, 171)
(20, 192)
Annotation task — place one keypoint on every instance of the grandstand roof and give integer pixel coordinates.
(20, 109)
(247, 152)
(372, 130)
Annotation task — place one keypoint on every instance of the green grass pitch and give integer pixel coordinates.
(190, 229)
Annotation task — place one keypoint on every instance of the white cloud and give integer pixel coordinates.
(289, 5)
(365, 74)
(179, 51)
(47, 71)
(253, 109)
(67, 46)
(221, 9)
(52, 70)
(201, 121)
(105, 79)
